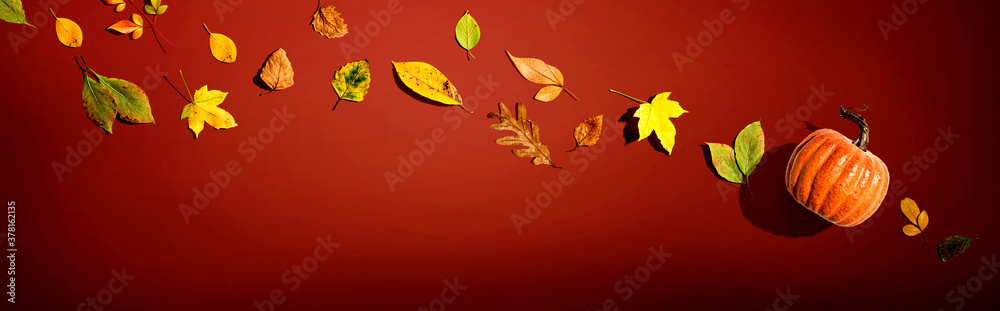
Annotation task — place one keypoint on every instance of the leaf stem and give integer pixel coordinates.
(622, 94)
(746, 183)
(186, 88)
(466, 109)
(152, 25)
(468, 55)
(175, 87)
(570, 93)
(335, 104)
(206, 29)
(925, 238)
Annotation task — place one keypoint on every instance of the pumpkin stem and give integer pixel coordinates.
(848, 113)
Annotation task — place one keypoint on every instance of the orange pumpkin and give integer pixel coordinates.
(837, 178)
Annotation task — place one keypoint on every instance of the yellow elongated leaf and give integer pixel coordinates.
(327, 22)
(910, 209)
(67, 31)
(277, 72)
(527, 135)
(911, 230)
(922, 220)
(537, 71)
(223, 48)
(429, 82)
(204, 108)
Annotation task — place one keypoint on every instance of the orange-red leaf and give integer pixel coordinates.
(122, 27)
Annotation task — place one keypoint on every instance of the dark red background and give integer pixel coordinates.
(324, 174)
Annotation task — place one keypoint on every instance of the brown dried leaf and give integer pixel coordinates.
(527, 135)
(588, 132)
(537, 71)
(327, 22)
(277, 72)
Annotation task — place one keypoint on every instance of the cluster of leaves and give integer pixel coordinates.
(736, 164)
(537, 71)
(106, 99)
(948, 248)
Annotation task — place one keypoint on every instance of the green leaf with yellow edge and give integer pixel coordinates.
(99, 103)
(467, 34)
(204, 108)
(749, 147)
(133, 104)
(953, 246)
(724, 160)
(352, 81)
(223, 48)
(429, 82)
(655, 117)
(12, 11)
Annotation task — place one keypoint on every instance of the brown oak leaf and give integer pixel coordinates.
(527, 135)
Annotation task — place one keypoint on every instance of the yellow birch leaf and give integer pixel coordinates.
(223, 48)
(67, 31)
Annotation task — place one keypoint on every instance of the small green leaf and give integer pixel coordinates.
(12, 11)
(149, 9)
(162, 9)
(467, 33)
(99, 103)
(724, 160)
(953, 246)
(133, 104)
(749, 148)
(352, 81)
(156, 3)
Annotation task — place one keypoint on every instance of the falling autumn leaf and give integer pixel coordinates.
(204, 108)
(352, 81)
(13, 12)
(429, 82)
(655, 117)
(953, 246)
(132, 27)
(154, 8)
(537, 71)
(467, 34)
(67, 31)
(588, 132)
(918, 219)
(277, 72)
(327, 22)
(724, 161)
(527, 135)
(223, 48)
(119, 4)
(98, 103)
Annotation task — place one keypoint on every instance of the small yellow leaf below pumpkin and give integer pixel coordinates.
(918, 219)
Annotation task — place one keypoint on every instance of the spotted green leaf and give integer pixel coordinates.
(99, 103)
(12, 11)
(352, 81)
(133, 104)
(953, 246)
(467, 33)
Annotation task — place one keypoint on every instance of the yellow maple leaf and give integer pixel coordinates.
(655, 117)
(204, 108)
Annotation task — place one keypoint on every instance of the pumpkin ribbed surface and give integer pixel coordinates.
(834, 178)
